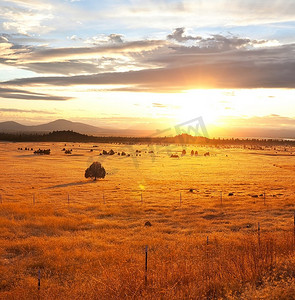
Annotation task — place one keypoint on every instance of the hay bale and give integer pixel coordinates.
(148, 223)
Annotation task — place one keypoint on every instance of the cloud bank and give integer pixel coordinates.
(168, 65)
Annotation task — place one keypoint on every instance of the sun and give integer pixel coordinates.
(199, 103)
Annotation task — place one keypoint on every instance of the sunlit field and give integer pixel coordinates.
(88, 238)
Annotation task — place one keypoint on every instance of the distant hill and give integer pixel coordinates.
(64, 125)
(61, 124)
(11, 126)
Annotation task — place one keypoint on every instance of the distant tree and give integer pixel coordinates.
(96, 170)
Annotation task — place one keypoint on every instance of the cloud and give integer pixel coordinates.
(182, 68)
(178, 35)
(217, 43)
(199, 13)
(12, 93)
(32, 4)
(159, 105)
(215, 61)
(78, 52)
(76, 60)
(24, 20)
(64, 68)
(116, 38)
(44, 112)
(270, 121)
(104, 39)
(270, 126)
(3, 39)
(222, 43)
(17, 38)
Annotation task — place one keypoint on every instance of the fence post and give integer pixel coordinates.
(264, 197)
(258, 233)
(146, 265)
(207, 262)
(221, 198)
(207, 245)
(104, 201)
(180, 199)
(68, 198)
(39, 279)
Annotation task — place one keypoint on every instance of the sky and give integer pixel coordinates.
(150, 64)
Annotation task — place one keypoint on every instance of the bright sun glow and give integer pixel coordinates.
(199, 103)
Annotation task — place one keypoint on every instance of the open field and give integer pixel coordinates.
(88, 238)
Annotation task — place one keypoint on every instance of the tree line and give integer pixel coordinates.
(71, 136)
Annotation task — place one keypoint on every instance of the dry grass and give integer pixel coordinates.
(93, 248)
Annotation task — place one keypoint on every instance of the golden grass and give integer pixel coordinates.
(93, 248)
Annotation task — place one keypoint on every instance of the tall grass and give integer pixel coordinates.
(93, 246)
(93, 252)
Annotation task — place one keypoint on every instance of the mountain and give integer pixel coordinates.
(58, 125)
(11, 126)
(61, 125)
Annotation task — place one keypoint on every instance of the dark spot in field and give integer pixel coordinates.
(254, 196)
(230, 194)
(105, 216)
(249, 225)
(221, 222)
(162, 220)
(150, 210)
(148, 223)
(213, 216)
(235, 228)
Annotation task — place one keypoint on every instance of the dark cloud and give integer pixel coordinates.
(70, 61)
(214, 62)
(3, 39)
(137, 46)
(116, 38)
(185, 69)
(26, 95)
(18, 38)
(178, 35)
(216, 42)
(26, 111)
(102, 39)
(64, 67)
(220, 42)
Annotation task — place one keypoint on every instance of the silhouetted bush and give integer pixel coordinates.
(111, 152)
